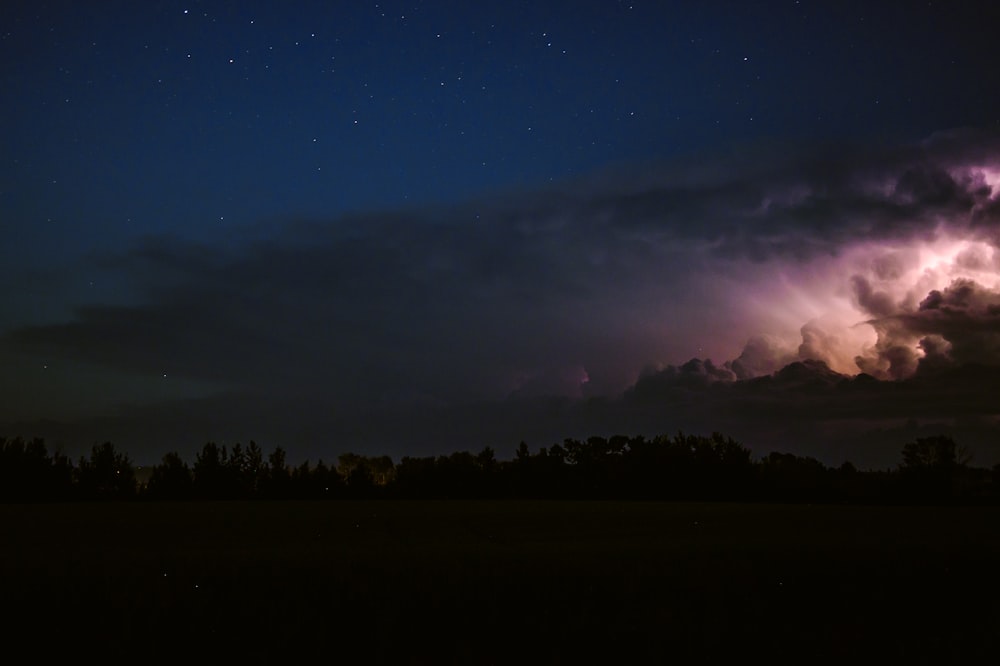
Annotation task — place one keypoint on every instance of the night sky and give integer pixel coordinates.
(415, 228)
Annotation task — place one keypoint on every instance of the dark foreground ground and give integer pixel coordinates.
(499, 582)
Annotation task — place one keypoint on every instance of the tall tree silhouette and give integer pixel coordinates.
(171, 479)
(210, 472)
(278, 479)
(28, 472)
(324, 482)
(254, 472)
(931, 466)
(106, 474)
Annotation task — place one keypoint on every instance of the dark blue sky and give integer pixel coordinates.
(214, 210)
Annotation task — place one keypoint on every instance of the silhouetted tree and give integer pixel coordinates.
(237, 480)
(325, 483)
(931, 466)
(106, 474)
(210, 472)
(489, 473)
(521, 473)
(678, 467)
(363, 475)
(416, 478)
(937, 452)
(171, 479)
(60, 484)
(29, 473)
(787, 477)
(356, 473)
(278, 479)
(543, 475)
(254, 472)
(522, 454)
(682, 466)
(383, 470)
(300, 480)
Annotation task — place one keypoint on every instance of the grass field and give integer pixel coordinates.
(500, 582)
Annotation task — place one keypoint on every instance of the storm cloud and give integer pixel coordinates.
(829, 283)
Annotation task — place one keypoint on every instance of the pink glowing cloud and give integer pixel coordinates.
(848, 278)
(851, 309)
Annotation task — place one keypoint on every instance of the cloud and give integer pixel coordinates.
(676, 382)
(363, 309)
(960, 323)
(764, 356)
(803, 268)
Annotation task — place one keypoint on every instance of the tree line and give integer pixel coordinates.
(678, 467)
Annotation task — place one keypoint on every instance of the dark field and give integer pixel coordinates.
(500, 582)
